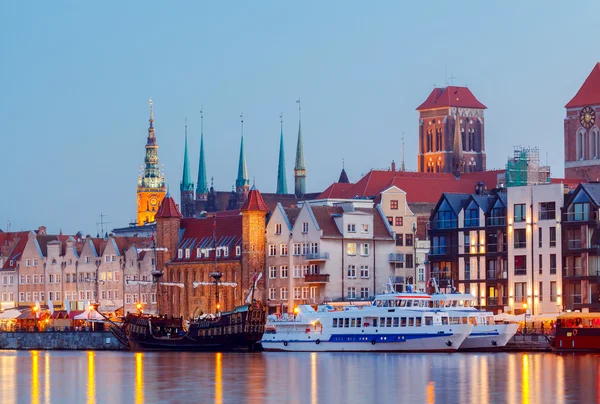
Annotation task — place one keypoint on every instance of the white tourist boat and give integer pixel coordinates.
(460, 309)
(368, 328)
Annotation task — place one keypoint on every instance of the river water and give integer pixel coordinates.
(307, 378)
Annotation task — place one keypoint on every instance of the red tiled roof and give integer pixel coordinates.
(254, 201)
(589, 92)
(335, 189)
(124, 243)
(419, 187)
(168, 208)
(380, 230)
(226, 227)
(20, 239)
(451, 96)
(323, 215)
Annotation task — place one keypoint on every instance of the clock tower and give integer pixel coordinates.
(582, 133)
(151, 184)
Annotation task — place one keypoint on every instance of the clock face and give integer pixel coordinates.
(153, 201)
(587, 117)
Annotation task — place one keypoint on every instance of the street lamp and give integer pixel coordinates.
(139, 307)
(35, 316)
(525, 321)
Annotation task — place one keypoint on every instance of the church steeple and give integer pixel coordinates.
(187, 186)
(281, 180)
(151, 183)
(299, 167)
(242, 183)
(202, 187)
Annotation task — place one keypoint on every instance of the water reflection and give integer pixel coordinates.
(296, 377)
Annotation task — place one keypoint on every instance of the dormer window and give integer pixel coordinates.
(187, 253)
(305, 227)
(225, 251)
(238, 250)
(180, 253)
(88, 260)
(198, 253)
(278, 228)
(394, 204)
(218, 252)
(27, 263)
(351, 228)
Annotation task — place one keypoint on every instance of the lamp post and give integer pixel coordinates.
(525, 319)
(35, 316)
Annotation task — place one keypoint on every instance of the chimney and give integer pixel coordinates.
(42, 230)
(393, 165)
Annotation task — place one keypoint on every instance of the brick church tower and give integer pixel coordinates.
(445, 112)
(582, 151)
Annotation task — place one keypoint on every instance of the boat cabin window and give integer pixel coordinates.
(389, 322)
(465, 320)
(467, 303)
(428, 320)
(472, 320)
(416, 303)
(444, 320)
(382, 321)
(375, 322)
(335, 323)
(396, 321)
(461, 303)
(448, 303)
(455, 320)
(436, 304)
(411, 322)
(409, 303)
(358, 321)
(454, 303)
(346, 322)
(353, 323)
(418, 321)
(402, 321)
(402, 303)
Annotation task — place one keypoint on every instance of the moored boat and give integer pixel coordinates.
(364, 329)
(577, 332)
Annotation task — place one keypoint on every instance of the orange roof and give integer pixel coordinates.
(451, 96)
(255, 201)
(589, 93)
(168, 208)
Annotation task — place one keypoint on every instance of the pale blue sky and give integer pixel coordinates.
(75, 78)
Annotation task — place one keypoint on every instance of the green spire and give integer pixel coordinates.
(242, 178)
(299, 168)
(281, 181)
(202, 188)
(300, 150)
(186, 180)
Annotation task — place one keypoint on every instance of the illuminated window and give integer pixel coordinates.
(351, 248)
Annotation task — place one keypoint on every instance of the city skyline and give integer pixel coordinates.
(75, 95)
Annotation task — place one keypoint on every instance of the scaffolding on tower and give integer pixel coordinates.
(525, 168)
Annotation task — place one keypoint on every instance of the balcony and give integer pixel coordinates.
(496, 221)
(317, 256)
(396, 258)
(497, 301)
(316, 278)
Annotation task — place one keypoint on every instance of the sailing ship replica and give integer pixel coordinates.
(239, 329)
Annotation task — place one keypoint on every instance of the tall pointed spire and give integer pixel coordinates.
(202, 187)
(281, 180)
(299, 167)
(187, 186)
(242, 182)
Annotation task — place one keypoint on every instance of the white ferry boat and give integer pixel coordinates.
(363, 329)
(460, 309)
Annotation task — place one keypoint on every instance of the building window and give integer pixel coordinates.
(179, 254)
(520, 265)
(272, 250)
(297, 248)
(540, 264)
(272, 293)
(472, 217)
(351, 292)
(540, 237)
(364, 271)
(400, 239)
(278, 228)
(520, 213)
(541, 291)
(297, 271)
(102, 294)
(283, 250)
(187, 253)
(218, 251)
(88, 260)
(351, 271)
(553, 291)
(390, 220)
(21, 296)
(314, 269)
(128, 299)
(520, 292)
(365, 228)
(305, 293)
(225, 251)
(365, 250)
(520, 238)
(238, 250)
(552, 264)
(283, 293)
(364, 293)
(394, 204)
(272, 272)
(351, 228)
(28, 263)
(351, 248)
(28, 279)
(305, 227)
(421, 274)
(408, 260)
(552, 237)
(314, 248)
(41, 279)
(284, 271)
(467, 270)
(408, 239)
(547, 210)
(399, 220)
(305, 248)
(296, 293)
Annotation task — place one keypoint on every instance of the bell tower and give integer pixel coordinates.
(151, 188)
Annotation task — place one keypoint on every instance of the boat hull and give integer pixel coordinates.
(577, 340)
(446, 341)
(489, 337)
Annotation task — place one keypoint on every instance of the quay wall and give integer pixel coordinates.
(67, 340)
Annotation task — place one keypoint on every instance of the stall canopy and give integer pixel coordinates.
(89, 315)
(10, 314)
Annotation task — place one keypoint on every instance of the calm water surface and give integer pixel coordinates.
(119, 377)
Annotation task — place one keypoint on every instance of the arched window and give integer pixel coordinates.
(580, 145)
(438, 139)
(428, 145)
(594, 148)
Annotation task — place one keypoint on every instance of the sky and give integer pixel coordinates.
(76, 77)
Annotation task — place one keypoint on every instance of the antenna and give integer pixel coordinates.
(281, 120)
(201, 120)
(102, 223)
(242, 122)
(403, 167)
(299, 109)
(8, 226)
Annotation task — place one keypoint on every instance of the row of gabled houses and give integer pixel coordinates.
(45, 269)
(523, 249)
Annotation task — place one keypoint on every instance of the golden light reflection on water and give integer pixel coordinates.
(47, 377)
(313, 378)
(139, 377)
(431, 392)
(219, 378)
(525, 380)
(91, 382)
(35, 377)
